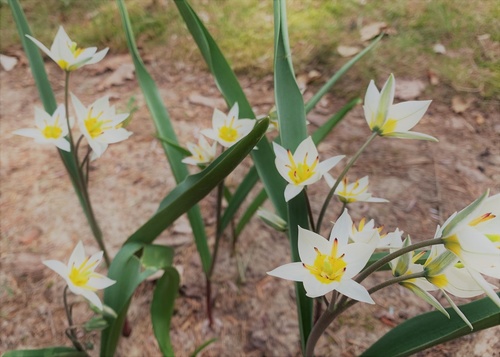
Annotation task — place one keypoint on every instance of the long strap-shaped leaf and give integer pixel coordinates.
(165, 130)
(47, 97)
(433, 328)
(125, 268)
(47, 352)
(230, 88)
(292, 124)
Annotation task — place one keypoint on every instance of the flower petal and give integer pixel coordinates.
(291, 191)
(57, 266)
(408, 114)
(355, 291)
(307, 241)
(290, 271)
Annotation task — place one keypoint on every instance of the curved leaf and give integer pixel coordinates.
(433, 328)
(162, 308)
(166, 131)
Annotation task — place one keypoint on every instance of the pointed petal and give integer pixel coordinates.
(29, 132)
(57, 266)
(43, 48)
(427, 297)
(341, 229)
(355, 291)
(306, 147)
(290, 271)
(370, 105)
(78, 255)
(457, 310)
(92, 297)
(233, 112)
(328, 164)
(98, 56)
(315, 288)
(487, 288)
(408, 114)
(100, 283)
(62, 144)
(307, 241)
(411, 135)
(80, 109)
(291, 191)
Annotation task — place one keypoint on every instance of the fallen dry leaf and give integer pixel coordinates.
(125, 72)
(479, 118)
(348, 51)
(460, 104)
(491, 49)
(409, 89)
(372, 30)
(8, 62)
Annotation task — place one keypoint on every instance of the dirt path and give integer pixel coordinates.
(41, 218)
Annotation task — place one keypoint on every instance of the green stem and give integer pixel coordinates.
(218, 233)
(339, 179)
(81, 181)
(70, 331)
(309, 210)
(381, 262)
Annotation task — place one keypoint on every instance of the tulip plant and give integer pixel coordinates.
(329, 271)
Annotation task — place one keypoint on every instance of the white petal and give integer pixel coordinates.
(355, 291)
(114, 135)
(328, 164)
(457, 310)
(408, 114)
(341, 229)
(78, 256)
(291, 191)
(218, 119)
(356, 257)
(92, 297)
(80, 109)
(57, 266)
(233, 112)
(306, 147)
(487, 288)
(370, 105)
(290, 271)
(307, 241)
(210, 133)
(43, 48)
(280, 152)
(315, 288)
(461, 283)
(100, 283)
(62, 144)
(29, 132)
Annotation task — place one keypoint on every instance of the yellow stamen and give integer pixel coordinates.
(481, 219)
(81, 275)
(94, 126)
(328, 268)
(228, 132)
(302, 171)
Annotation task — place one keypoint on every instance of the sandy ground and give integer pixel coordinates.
(41, 218)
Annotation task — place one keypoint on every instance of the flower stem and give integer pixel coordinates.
(70, 331)
(80, 180)
(383, 261)
(309, 210)
(339, 179)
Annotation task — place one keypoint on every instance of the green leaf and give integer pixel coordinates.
(292, 125)
(162, 308)
(326, 87)
(202, 347)
(230, 88)
(165, 131)
(250, 211)
(433, 328)
(176, 146)
(47, 352)
(197, 186)
(157, 256)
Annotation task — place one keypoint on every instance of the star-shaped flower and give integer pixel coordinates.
(50, 129)
(303, 167)
(228, 129)
(80, 276)
(67, 54)
(201, 154)
(100, 124)
(394, 120)
(328, 265)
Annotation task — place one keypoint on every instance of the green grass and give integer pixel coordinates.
(244, 31)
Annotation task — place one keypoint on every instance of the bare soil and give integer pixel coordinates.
(41, 218)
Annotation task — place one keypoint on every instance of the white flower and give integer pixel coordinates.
(80, 276)
(356, 191)
(328, 265)
(303, 167)
(50, 129)
(203, 153)
(365, 232)
(100, 124)
(393, 120)
(228, 129)
(67, 54)
(473, 235)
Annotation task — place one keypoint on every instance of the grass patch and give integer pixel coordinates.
(244, 31)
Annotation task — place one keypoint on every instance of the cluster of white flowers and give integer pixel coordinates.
(99, 123)
(470, 239)
(226, 130)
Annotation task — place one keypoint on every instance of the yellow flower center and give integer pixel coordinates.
(389, 126)
(302, 171)
(80, 275)
(75, 50)
(350, 196)
(64, 65)
(52, 132)
(328, 268)
(95, 126)
(453, 245)
(228, 132)
(438, 280)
